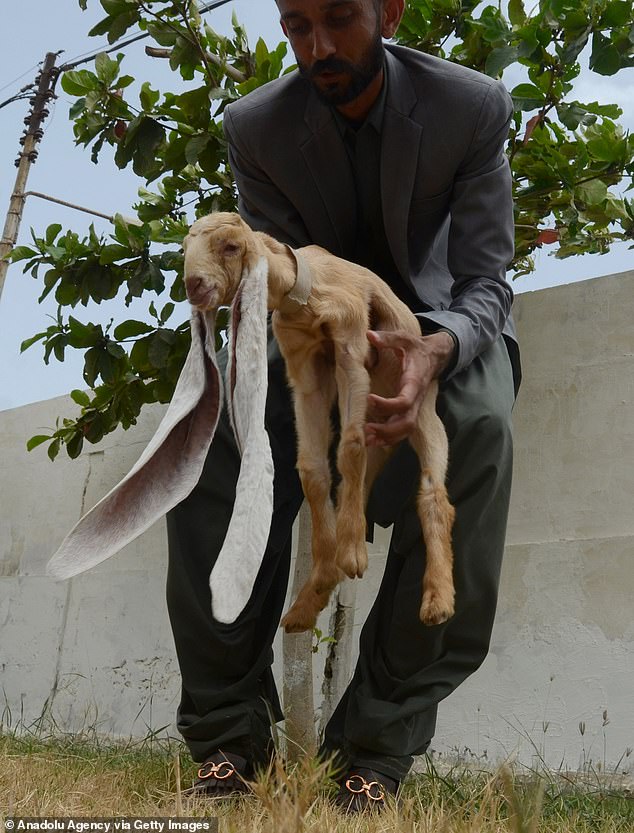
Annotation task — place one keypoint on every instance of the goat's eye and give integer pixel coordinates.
(231, 249)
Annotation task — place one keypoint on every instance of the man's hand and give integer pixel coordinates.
(423, 358)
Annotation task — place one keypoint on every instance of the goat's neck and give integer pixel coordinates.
(282, 269)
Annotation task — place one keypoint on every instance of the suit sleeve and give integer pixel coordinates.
(480, 239)
(260, 202)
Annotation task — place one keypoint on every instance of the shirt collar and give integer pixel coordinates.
(374, 117)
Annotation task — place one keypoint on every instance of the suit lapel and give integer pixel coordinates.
(399, 160)
(326, 157)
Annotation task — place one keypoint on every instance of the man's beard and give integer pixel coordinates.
(360, 75)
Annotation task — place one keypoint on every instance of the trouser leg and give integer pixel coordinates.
(228, 693)
(388, 712)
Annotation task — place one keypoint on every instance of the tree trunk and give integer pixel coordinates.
(299, 707)
(338, 669)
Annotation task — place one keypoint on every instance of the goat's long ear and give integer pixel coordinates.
(235, 571)
(166, 472)
(246, 340)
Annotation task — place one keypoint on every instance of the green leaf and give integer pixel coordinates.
(106, 366)
(30, 341)
(148, 97)
(517, 15)
(74, 445)
(53, 449)
(115, 251)
(96, 428)
(51, 233)
(22, 253)
(131, 329)
(118, 26)
(162, 32)
(617, 209)
(261, 52)
(499, 59)
(572, 115)
(115, 7)
(195, 147)
(195, 107)
(80, 397)
(38, 439)
(527, 97)
(91, 366)
(81, 335)
(593, 192)
(617, 13)
(612, 111)
(606, 148)
(148, 138)
(79, 82)
(166, 312)
(107, 69)
(115, 350)
(160, 348)
(574, 47)
(605, 58)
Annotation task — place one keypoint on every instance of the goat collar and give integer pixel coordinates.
(300, 293)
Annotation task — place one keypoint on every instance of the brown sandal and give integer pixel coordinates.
(364, 790)
(222, 776)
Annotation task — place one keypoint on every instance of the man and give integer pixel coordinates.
(393, 159)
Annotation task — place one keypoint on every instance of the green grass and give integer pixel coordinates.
(83, 775)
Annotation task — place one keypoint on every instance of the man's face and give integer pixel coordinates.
(337, 44)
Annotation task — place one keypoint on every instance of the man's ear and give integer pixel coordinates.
(391, 17)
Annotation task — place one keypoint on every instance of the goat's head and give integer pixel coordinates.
(217, 249)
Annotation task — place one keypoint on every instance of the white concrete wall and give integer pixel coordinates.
(96, 652)
(563, 645)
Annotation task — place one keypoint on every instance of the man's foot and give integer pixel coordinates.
(364, 790)
(222, 776)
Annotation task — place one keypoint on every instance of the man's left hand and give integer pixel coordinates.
(423, 358)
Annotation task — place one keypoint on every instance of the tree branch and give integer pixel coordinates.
(232, 72)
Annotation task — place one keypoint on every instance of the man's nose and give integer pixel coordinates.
(323, 46)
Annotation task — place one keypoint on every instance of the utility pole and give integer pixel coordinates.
(27, 157)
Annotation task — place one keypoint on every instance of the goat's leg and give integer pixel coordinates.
(314, 398)
(436, 514)
(353, 384)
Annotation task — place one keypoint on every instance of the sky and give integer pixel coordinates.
(66, 172)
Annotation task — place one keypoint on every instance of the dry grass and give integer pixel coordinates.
(83, 777)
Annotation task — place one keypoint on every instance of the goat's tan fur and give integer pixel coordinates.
(324, 344)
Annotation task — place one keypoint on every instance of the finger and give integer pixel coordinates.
(383, 340)
(401, 403)
(391, 338)
(387, 433)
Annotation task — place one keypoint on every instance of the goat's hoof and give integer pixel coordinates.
(435, 610)
(298, 620)
(353, 560)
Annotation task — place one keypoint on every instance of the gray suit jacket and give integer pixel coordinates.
(445, 186)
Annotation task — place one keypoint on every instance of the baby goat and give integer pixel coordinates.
(323, 339)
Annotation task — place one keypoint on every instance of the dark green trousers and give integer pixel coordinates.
(388, 712)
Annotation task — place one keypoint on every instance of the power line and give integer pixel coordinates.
(215, 4)
(45, 83)
(11, 83)
(23, 93)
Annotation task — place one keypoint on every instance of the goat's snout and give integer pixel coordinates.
(200, 293)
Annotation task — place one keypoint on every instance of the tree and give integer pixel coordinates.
(569, 161)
